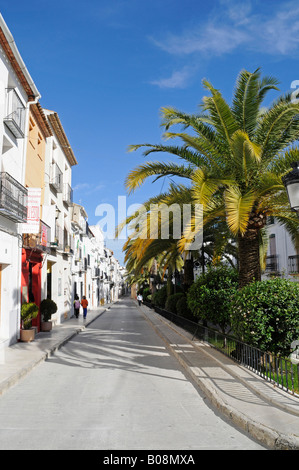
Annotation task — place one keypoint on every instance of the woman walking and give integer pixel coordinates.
(84, 303)
(76, 306)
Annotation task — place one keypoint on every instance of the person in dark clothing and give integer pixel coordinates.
(76, 306)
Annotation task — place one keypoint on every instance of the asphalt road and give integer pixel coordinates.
(114, 386)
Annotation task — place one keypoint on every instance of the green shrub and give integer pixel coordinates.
(29, 310)
(47, 308)
(171, 302)
(159, 297)
(183, 310)
(210, 296)
(265, 314)
(146, 293)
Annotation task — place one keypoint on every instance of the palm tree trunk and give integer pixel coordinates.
(169, 281)
(249, 259)
(188, 273)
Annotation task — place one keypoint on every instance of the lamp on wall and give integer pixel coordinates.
(291, 182)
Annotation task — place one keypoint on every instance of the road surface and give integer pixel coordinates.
(113, 386)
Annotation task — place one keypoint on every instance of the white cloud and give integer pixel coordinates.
(178, 79)
(88, 188)
(237, 25)
(213, 40)
(232, 27)
(80, 186)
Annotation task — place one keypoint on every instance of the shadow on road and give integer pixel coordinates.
(120, 339)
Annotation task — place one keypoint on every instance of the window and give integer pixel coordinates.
(15, 114)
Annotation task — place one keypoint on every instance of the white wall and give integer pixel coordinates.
(12, 161)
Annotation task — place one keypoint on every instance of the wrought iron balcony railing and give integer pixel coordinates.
(272, 264)
(56, 178)
(58, 238)
(95, 272)
(67, 194)
(13, 198)
(40, 240)
(293, 262)
(15, 114)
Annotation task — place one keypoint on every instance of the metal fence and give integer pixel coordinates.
(279, 371)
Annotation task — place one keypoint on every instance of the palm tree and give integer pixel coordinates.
(235, 157)
(144, 254)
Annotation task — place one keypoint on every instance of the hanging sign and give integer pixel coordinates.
(33, 211)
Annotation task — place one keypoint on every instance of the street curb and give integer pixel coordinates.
(15, 378)
(269, 437)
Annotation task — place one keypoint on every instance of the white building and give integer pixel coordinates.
(282, 257)
(57, 214)
(95, 272)
(17, 92)
(73, 258)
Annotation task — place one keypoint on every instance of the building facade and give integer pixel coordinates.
(282, 256)
(57, 214)
(47, 249)
(17, 93)
(35, 239)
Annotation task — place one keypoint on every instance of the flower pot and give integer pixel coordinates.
(26, 336)
(46, 326)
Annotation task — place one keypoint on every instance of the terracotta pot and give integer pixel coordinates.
(46, 326)
(27, 335)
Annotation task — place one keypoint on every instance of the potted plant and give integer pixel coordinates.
(29, 310)
(47, 308)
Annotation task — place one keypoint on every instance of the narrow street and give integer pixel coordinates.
(114, 386)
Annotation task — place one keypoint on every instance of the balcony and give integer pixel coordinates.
(95, 272)
(40, 240)
(13, 198)
(67, 194)
(56, 178)
(293, 264)
(68, 242)
(82, 265)
(272, 264)
(15, 114)
(58, 239)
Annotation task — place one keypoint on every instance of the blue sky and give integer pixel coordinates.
(107, 67)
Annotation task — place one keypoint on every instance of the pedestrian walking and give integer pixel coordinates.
(139, 298)
(76, 306)
(84, 303)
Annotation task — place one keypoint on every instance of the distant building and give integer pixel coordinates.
(282, 256)
(57, 214)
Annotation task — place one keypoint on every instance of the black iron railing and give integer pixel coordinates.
(272, 264)
(13, 198)
(67, 194)
(280, 371)
(293, 262)
(40, 240)
(56, 179)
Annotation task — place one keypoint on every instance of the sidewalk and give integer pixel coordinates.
(252, 404)
(268, 414)
(19, 359)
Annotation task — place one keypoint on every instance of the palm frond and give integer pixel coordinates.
(238, 208)
(278, 128)
(205, 186)
(158, 169)
(220, 112)
(249, 94)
